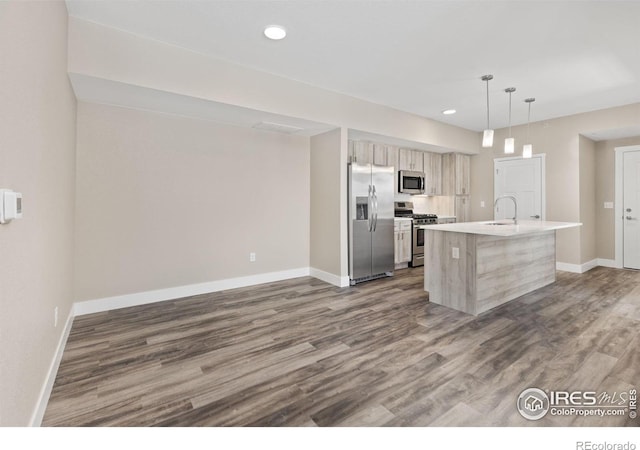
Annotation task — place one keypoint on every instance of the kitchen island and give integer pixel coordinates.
(476, 266)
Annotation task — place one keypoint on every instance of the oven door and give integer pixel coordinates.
(417, 256)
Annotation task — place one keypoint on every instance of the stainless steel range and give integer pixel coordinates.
(405, 209)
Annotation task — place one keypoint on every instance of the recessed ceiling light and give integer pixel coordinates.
(275, 32)
(448, 112)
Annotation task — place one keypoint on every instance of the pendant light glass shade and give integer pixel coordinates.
(487, 136)
(509, 145)
(527, 149)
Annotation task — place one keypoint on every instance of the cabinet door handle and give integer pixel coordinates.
(537, 216)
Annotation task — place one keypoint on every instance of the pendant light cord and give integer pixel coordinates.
(510, 113)
(529, 123)
(488, 127)
(510, 91)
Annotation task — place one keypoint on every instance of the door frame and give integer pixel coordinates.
(619, 189)
(543, 191)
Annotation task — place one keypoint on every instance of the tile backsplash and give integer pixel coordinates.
(440, 205)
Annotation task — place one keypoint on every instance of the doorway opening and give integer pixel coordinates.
(627, 207)
(523, 179)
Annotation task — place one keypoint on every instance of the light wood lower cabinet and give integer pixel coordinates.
(463, 208)
(402, 236)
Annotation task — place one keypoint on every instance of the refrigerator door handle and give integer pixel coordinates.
(375, 208)
(369, 212)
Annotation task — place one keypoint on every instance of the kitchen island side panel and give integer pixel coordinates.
(490, 270)
(451, 281)
(508, 267)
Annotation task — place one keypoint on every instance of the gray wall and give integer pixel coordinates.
(166, 201)
(325, 202)
(559, 139)
(605, 192)
(588, 234)
(37, 158)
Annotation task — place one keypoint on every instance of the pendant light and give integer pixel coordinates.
(509, 142)
(487, 136)
(527, 149)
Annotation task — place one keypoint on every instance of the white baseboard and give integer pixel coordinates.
(585, 267)
(330, 278)
(47, 387)
(143, 298)
(566, 267)
(578, 268)
(609, 263)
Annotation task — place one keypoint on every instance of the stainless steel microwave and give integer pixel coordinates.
(410, 182)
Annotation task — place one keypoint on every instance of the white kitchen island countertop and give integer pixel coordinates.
(505, 229)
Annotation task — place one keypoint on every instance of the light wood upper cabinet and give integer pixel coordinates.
(404, 159)
(433, 173)
(364, 152)
(392, 156)
(410, 160)
(380, 155)
(463, 174)
(360, 152)
(392, 160)
(456, 174)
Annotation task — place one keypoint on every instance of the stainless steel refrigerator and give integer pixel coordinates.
(371, 249)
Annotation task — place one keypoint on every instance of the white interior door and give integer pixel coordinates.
(631, 210)
(524, 180)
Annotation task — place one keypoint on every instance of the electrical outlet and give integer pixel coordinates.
(481, 203)
(55, 316)
(608, 205)
(455, 252)
(252, 257)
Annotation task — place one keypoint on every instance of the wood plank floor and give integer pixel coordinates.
(304, 353)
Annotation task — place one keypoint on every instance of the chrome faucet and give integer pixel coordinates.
(515, 204)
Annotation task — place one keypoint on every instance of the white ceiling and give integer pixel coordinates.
(416, 56)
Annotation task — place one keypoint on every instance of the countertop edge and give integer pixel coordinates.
(483, 228)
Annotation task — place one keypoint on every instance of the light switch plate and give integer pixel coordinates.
(608, 205)
(455, 252)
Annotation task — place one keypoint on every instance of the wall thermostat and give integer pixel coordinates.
(10, 205)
